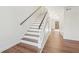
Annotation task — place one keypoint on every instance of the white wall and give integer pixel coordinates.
(71, 23)
(69, 20)
(56, 13)
(10, 29)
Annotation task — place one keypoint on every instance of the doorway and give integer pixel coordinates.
(56, 24)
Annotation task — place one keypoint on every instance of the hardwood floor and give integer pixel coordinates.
(22, 48)
(54, 44)
(71, 46)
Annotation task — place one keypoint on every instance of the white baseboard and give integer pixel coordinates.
(70, 39)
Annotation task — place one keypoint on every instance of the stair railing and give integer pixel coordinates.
(42, 20)
(42, 26)
(29, 16)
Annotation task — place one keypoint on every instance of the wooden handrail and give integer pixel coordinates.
(29, 16)
(42, 20)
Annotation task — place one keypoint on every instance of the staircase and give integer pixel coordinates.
(34, 32)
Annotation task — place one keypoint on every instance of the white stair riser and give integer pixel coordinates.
(31, 37)
(32, 30)
(35, 29)
(30, 43)
(35, 25)
(35, 33)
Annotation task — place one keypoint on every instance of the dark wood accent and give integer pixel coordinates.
(30, 16)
